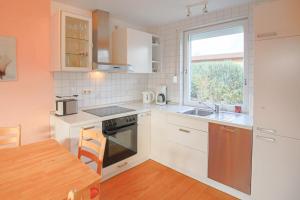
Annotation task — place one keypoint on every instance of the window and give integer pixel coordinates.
(215, 70)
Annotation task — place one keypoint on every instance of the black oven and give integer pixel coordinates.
(121, 135)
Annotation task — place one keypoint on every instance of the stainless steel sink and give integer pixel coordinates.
(199, 112)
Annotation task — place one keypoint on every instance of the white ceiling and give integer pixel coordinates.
(150, 12)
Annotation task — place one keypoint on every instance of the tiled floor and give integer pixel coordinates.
(151, 180)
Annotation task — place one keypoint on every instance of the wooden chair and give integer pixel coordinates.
(74, 195)
(78, 195)
(92, 145)
(10, 136)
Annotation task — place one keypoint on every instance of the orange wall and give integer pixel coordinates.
(28, 100)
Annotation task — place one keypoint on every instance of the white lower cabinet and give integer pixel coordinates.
(187, 160)
(179, 147)
(158, 136)
(68, 135)
(194, 139)
(276, 165)
(188, 122)
(187, 151)
(144, 131)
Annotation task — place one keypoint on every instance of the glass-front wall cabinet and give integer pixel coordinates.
(76, 43)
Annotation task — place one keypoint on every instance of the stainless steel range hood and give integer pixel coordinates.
(101, 45)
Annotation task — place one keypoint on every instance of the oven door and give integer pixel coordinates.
(121, 143)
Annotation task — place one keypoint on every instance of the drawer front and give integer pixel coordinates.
(188, 122)
(191, 138)
(186, 160)
(119, 167)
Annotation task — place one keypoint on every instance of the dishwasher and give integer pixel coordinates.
(230, 156)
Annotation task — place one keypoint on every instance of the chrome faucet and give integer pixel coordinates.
(216, 109)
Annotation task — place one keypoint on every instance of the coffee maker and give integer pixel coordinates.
(161, 95)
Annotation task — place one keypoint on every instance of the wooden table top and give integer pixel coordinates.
(43, 170)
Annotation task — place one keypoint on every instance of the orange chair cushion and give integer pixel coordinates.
(94, 192)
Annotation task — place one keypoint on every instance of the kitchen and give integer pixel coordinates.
(197, 104)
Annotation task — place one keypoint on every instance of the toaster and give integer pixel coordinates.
(67, 106)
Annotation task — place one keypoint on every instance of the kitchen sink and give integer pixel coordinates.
(199, 112)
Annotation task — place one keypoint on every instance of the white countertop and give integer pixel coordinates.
(226, 118)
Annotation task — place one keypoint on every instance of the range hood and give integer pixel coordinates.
(101, 45)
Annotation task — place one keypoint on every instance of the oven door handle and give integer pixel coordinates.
(110, 133)
(113, 132)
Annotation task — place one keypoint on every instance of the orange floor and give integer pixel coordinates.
(152, 180)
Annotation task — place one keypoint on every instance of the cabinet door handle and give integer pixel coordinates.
(265, 35)
(87, 128)
(267, 139)
(264, 130)
(183, 130)
(229, 129)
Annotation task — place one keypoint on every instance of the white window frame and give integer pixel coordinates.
(186, 62)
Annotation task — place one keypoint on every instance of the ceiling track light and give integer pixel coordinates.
(202, 4)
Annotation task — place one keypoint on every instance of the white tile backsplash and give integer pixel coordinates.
(105, 87)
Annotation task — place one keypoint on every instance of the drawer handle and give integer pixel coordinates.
(185, 131)
(232, 130)
(264, 130)
(266, 138)
(264, 35)
(123, 165)
(87, 128)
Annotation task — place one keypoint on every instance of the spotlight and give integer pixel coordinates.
(188, 14)
(204, 10)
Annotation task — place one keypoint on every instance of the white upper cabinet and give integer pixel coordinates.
(134, 48)
(156, 54)
(279, 18)
(71, 42)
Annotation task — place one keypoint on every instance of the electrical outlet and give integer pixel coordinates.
(86, 91)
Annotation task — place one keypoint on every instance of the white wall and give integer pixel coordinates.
(171, 36)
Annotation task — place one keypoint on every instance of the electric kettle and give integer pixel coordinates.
(148, 97)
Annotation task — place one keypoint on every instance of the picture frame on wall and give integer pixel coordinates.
(8, 65)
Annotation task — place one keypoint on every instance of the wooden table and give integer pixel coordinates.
(43, 170)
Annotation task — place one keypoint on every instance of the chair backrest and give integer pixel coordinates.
(10, 136)
(92, 145)
(73, 195)
(78, 195)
